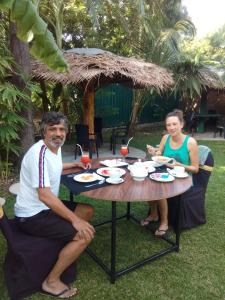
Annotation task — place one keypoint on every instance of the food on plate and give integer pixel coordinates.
(161, 159)
(105, 172)
(87, 177)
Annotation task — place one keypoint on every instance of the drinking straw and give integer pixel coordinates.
(129, 141)
(80, 149)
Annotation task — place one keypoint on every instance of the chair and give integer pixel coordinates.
(28, 259)
(192, 202)
(83, 139)
(220, 127)
(119, 135)
(191, 122)
(98, 130)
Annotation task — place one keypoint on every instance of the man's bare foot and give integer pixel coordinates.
(58, 289)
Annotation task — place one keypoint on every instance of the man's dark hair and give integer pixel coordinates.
(53, 118)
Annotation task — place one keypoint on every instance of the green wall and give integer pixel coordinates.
(114, 102)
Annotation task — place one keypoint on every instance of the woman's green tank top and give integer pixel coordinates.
(180, 154)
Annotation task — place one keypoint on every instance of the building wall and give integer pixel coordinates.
(113, 104)
(216, 102)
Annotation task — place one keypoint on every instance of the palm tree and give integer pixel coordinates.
(161, 46)
(192, 77)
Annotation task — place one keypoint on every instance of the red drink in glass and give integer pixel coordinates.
(124, 151)
(85, 158)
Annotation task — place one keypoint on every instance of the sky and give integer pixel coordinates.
(207, 15)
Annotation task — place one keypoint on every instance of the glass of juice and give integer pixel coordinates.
(124, 151)
(85, 159)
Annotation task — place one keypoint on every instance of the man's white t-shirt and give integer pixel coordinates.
(40, 168)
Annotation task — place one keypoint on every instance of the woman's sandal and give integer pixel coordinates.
(161, 232)
(148, 220)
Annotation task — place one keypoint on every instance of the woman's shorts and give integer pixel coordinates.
(48, 224)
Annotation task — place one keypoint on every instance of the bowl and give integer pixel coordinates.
(137, 178)
(139, 174)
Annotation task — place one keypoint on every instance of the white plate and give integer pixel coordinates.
(105, 171)
(109, 180)
(86, 177)
(162, 177)
(161, 159)
(178, 175)
(113, 163)
(149, 165)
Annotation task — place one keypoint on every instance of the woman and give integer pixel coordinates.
(184, 151)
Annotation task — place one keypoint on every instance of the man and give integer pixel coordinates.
(40, 212)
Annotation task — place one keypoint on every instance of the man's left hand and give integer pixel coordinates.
(84, 166)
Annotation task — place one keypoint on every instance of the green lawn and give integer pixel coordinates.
(196, 272)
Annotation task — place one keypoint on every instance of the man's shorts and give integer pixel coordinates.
(48, 224)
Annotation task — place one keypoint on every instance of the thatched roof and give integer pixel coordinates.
(96, 68)
(212, 80)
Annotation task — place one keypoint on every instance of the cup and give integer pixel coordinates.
(114, 176)
(179, 169)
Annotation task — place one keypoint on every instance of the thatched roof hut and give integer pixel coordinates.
(94, 68)
(90, 69)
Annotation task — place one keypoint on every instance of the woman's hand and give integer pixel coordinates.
(151, 150)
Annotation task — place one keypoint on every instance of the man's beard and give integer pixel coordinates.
(56, 145)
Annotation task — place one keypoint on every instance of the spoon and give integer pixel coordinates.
(100, 182)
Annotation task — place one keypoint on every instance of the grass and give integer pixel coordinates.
(195, 273)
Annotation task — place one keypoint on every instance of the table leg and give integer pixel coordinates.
(71, 196)
(113, 243)
(177, 227)
(128, 210)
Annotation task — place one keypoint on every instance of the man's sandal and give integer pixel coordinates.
(62, 294)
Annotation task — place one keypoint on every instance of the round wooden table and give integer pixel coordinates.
(133, 191)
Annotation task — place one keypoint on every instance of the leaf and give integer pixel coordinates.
(31, 27)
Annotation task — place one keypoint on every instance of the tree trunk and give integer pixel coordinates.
(21, 55)
(133, 118)
(44, 97)
(65, 101)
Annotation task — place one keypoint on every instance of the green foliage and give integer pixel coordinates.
(31, 28)
(211, 48)
(10, 119)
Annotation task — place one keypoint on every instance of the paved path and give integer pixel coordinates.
(104, 151)
(208, 136)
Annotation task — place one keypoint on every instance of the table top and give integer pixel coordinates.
(133, 191)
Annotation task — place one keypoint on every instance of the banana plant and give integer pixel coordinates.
(32, 29)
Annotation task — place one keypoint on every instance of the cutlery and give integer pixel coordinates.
(83, 172)
(100, 182)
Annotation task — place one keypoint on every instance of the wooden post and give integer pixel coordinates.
(88, 109)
